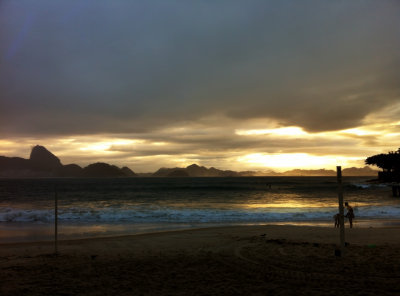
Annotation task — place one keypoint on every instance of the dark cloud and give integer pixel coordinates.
(228, 144)
(93, 67)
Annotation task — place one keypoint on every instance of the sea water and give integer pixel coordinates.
(99, 207)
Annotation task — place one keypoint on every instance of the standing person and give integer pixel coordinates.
(336, 218)
(349, 214)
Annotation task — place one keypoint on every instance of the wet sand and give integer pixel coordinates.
(241, 260)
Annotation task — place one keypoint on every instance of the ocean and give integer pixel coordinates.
(120, 206)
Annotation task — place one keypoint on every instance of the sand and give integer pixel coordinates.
(242, 260)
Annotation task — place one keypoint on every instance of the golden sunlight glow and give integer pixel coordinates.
(145, 152)
(290, 203)
(97, 147)
(105, 146)
(391, 135)
(159, 143)
(359, 132)
(4, 143)
(295, 202)
(283, 160)
(66, 140)
(295, 160)
(283, 131)
(6, 146)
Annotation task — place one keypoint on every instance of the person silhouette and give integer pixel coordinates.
(337, 221)
(350, 213)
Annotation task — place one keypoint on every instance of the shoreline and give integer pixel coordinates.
(21, 232)
(305, 233)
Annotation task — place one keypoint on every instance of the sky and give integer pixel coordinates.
(242, 85)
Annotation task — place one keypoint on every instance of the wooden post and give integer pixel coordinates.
(341, 209)
(55, 221)
(395, 190)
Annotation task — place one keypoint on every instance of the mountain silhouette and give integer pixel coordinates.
(43, 163)
(194, 170)
(128, 172)
(70, 170)
(101, 169)
(42, 159)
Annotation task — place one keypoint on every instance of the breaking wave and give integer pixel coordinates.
(182, 215)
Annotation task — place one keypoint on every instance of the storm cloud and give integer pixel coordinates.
(120, 66)
(142, 69)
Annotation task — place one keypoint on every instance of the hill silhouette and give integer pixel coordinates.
(43, 160)
(101, 169)
(194, 170)
(353, 171)
(43, 163)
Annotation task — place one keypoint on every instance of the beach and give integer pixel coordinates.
(237, 260)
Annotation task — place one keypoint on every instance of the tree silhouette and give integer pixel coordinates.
(389, 163)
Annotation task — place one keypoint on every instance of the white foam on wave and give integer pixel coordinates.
(367, 186)
(188, 215)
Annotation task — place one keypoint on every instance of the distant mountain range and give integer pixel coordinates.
(200, 171)
(353, 171)
(43, 163)
(195, 171)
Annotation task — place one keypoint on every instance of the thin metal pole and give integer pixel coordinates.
(341, 209)
(55, 221)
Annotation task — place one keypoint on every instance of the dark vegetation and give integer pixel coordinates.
(389, 163)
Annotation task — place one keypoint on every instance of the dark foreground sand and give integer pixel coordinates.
(246, 260)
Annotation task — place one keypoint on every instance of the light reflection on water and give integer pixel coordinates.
(25, 232)
(93, 207)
